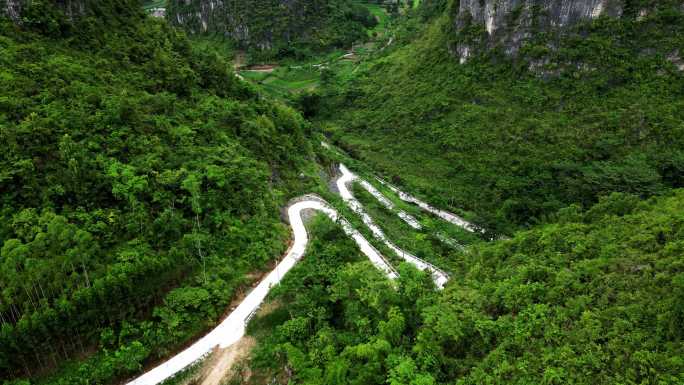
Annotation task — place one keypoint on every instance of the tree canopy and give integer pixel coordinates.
(140, 183)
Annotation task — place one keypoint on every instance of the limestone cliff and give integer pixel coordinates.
(266, 24)
(11, 8)
(14, 8)
(507, 24)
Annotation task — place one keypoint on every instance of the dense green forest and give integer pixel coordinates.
(570, 148)
(595, 298)
(142, 186)
(601, 112)
(141, 181)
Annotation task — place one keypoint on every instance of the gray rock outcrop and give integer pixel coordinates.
(508, 23)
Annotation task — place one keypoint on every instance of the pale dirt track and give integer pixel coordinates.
(218, 369)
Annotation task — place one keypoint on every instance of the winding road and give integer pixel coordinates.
(445, 215)
(408, 218)
(438, 276)
(232, 328)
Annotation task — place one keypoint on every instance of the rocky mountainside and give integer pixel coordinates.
(14, 8)
(11, 8)
(269, 25)
(509, 23)
(556, 103)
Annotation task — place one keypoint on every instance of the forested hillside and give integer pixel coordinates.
(276, 28)
(572, 116)
(144, 191)
(141, 181)
(596, 298)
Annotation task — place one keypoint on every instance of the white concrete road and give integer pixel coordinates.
(445, 215)
(408, 218)
(439, 277)
(233, 327)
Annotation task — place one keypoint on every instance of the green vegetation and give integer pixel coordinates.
(272, 29)
(424, 243)
(382, 17)
(284, 82)
(141, 181)
(297, 77)
(511, 145)
(595, 298)
(293, 83)
(308, 310)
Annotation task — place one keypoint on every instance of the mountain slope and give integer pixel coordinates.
(276, 27)
(141, 182)
(594, 298)
(511, 139)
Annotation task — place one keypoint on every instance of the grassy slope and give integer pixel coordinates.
(381, 16)
(421, 243)
(150, 4)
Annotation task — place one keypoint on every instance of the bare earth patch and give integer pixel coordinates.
(218, 369)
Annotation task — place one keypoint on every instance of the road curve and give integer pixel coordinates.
(408, 218)
(438, 276)
(233, 327)
(445, 215)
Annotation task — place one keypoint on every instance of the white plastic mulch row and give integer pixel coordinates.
(233, 327)
(439, 277)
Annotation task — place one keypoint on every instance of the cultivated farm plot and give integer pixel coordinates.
(283, 81)
(287, 80)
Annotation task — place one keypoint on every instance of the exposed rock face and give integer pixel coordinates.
(275, 25)
(676, 59)
(13, 8)
(509, 22)
(250, 23)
